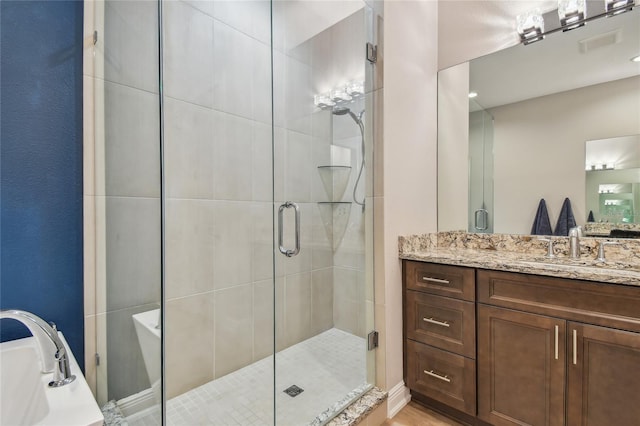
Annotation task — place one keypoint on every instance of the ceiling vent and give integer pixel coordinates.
(600, 40)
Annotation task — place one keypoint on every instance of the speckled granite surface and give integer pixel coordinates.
(359, 409)
(526, 254)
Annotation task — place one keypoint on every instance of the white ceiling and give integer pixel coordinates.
(556, 63)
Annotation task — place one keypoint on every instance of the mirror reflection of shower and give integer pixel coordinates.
(342, 110)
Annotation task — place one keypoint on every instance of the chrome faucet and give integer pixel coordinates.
(46, 335)
(574, 242)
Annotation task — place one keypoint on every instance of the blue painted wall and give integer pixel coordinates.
(41, 165)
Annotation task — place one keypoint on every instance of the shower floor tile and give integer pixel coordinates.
(327, 367)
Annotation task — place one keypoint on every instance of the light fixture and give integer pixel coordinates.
(355, 88)
(473, 95)
(635, 59)
(340, 95)
(614, 7)
(572, 13)
(530, 26)
(323, 101)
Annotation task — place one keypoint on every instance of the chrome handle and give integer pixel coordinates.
(283, 250)
(575, 347)
(435, 280)
(437, 376)
(601, 257)
(436, 322)
(556, 352)
(484, 213)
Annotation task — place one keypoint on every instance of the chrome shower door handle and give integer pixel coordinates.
(283, 250)
(483, 213)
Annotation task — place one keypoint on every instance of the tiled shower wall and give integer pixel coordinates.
(123, 166)
(219, 228)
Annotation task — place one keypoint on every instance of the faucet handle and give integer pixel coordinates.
(601, 246)
(550, 254)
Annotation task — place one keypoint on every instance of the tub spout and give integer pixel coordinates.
(46, 336)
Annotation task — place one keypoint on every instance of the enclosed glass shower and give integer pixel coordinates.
(233, 150)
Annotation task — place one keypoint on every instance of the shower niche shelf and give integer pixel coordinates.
(335, 180)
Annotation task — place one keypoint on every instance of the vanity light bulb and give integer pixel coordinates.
(614, 7)
(340, 95)
(635, 59)
(355, 88)
(323, 101)
(473, 95)
(571, 12)
(530, 26)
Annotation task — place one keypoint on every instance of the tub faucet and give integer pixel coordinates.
(574, 242)
(45, 335)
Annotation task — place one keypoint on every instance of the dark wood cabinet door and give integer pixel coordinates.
(603, 377)
(521, 368)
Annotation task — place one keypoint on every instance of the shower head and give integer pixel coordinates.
(342, 110)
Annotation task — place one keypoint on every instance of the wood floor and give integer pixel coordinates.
(415, 414)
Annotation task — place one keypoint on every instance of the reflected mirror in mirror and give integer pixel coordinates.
(545, 100)
(613, 180)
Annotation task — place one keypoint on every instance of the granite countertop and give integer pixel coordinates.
(525, 254)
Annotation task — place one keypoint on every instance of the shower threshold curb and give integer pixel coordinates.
(360, 408)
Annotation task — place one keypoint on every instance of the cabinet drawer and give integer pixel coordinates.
(443, 376)
(609, 305)
(441, 322)
(443, 280)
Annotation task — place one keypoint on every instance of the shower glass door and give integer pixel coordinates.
(320, 179)
(233, 213)
(219, 285)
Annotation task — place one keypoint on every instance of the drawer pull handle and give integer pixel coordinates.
(436, 322)
(435, 280)
(437, 376)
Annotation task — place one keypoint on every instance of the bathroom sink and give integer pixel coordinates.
(26, 398)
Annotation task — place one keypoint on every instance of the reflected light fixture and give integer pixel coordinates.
(473, 95)
(572, 13)
(530, 26)
(340, 95)
(635, 59)
(355, 88)
(323, 101)
(614, 7)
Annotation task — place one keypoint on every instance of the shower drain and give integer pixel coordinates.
(293, 391)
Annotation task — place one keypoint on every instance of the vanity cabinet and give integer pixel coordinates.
(549, 351)
(603, 376)
(521, 367)
(440, 343)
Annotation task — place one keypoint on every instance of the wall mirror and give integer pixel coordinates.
(523, 137)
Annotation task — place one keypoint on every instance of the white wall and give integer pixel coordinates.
(539, 148)
(409, 197)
